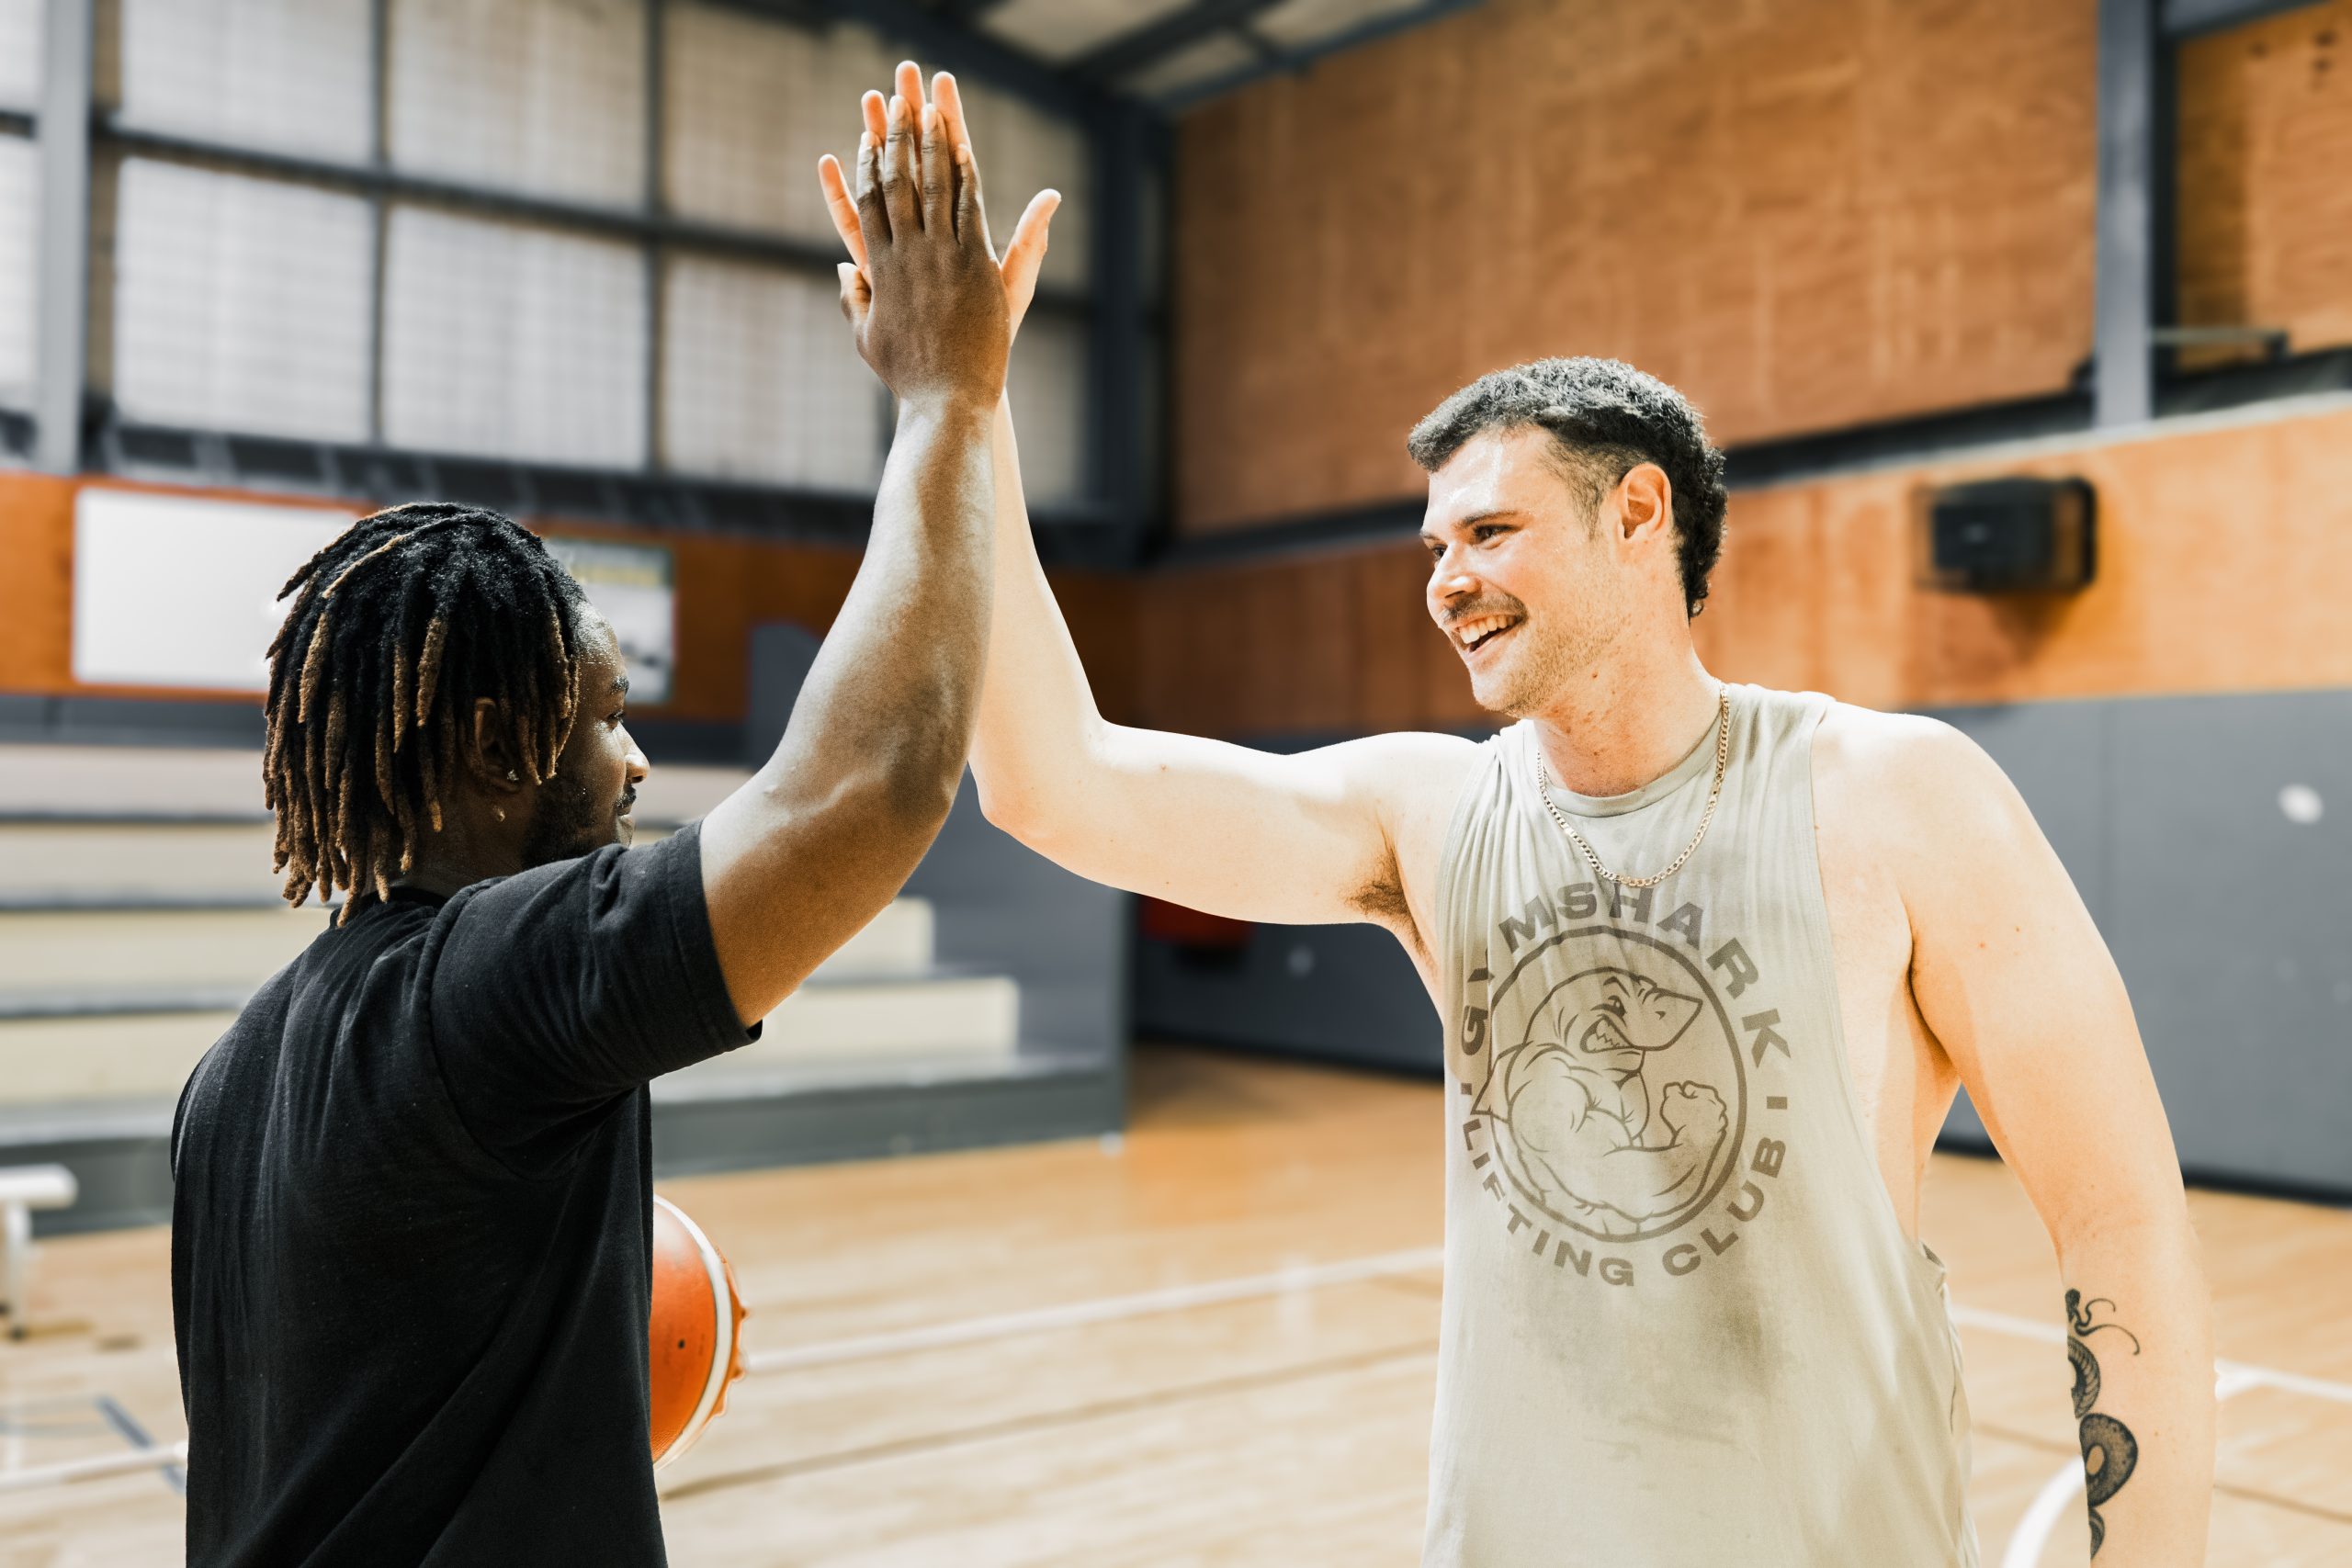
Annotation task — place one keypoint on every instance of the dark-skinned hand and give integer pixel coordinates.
(931, 315)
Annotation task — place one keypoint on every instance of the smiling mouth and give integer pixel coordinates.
(1471, 635)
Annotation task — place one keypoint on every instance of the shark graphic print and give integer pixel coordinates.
(1608, 1051)
(1591, 1136)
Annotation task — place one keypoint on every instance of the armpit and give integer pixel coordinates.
(1381, 899)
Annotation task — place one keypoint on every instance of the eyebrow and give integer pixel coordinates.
(620, 684)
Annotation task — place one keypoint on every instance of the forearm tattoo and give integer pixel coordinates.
(2109, 1451)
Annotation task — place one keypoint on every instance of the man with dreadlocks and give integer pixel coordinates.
(412, 1221)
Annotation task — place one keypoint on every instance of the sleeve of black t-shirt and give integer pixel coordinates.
(557, 992)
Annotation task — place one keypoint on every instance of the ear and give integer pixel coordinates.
(496, 767)
(1645, 501)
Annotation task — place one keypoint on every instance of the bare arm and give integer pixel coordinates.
(1305, 838)
(1339, 834)
(2012, 977)
(822, 837)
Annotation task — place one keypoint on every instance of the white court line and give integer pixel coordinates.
(2050, 1504)
(1108, 1309)
(2229, 1376)
(2057, 1494)
(124, 1464)
(2235, 1377)
(2042, 1516)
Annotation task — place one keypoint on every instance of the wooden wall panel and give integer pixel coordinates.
(36, 582)
(2224, 565)
(2266, 206)
(1804, 213)
(725, 585)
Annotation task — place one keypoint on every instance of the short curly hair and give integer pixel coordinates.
(1605, 417)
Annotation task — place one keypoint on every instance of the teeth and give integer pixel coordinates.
(1471, 631)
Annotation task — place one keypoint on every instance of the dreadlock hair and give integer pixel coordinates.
(397, 629)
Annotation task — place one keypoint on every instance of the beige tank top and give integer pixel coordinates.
(1682, 1325)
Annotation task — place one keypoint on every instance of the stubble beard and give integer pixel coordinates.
(567, 823)
(1536, 674)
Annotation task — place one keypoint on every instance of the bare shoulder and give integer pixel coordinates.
(1908, 787)
(1410, 773)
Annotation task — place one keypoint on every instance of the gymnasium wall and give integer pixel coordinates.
(724, 586)
(2224, 565)
(1807, 215)
(2265, 209)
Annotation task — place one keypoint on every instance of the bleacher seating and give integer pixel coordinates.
(138, 912)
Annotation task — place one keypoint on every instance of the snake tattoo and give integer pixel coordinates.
(2109, 1451)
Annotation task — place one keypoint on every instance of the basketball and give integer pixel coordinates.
(695, 1339)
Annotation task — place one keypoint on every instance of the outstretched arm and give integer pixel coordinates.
(1318, 837)
(1312, 838)
(2013, 980)
(803, 856)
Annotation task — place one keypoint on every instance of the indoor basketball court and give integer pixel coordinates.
(591, 961)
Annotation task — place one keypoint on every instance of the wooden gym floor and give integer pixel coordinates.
(1146, 1394)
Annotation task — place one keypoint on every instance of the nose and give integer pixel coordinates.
(1451, 579)
(638, 766)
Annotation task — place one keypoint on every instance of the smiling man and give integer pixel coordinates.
(412, 1222)
(1711, 961)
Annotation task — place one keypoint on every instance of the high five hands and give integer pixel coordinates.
(918, 240)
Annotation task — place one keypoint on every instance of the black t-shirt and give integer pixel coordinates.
(411, 1228)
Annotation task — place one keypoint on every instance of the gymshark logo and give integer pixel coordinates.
(1606, 1078)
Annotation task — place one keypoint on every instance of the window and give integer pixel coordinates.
(241, 303)
(541, 96)
(472, 306)
(513, 340)
(750, 104)
(22, 42)
(760, 379)
(287, 75)
(19, 263)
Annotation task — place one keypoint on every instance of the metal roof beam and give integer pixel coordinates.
(939, 39)
(1148, 45)
(2187, 18)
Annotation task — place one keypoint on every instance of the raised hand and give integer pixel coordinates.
(928, 305)
(1022, 258)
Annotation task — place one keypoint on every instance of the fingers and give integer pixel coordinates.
(906, 81)
(899, 196)
(950, 99)
(875, 108)
(971, 218)
(1026, 252)
(938, 174)
(842, 207)
(873, 213)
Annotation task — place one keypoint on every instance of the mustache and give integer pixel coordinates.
(628, 798)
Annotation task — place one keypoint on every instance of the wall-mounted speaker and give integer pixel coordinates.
(2013, 535)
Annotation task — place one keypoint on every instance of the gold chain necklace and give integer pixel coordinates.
(1714, 793)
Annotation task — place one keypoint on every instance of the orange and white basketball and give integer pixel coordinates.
(695, 1334)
